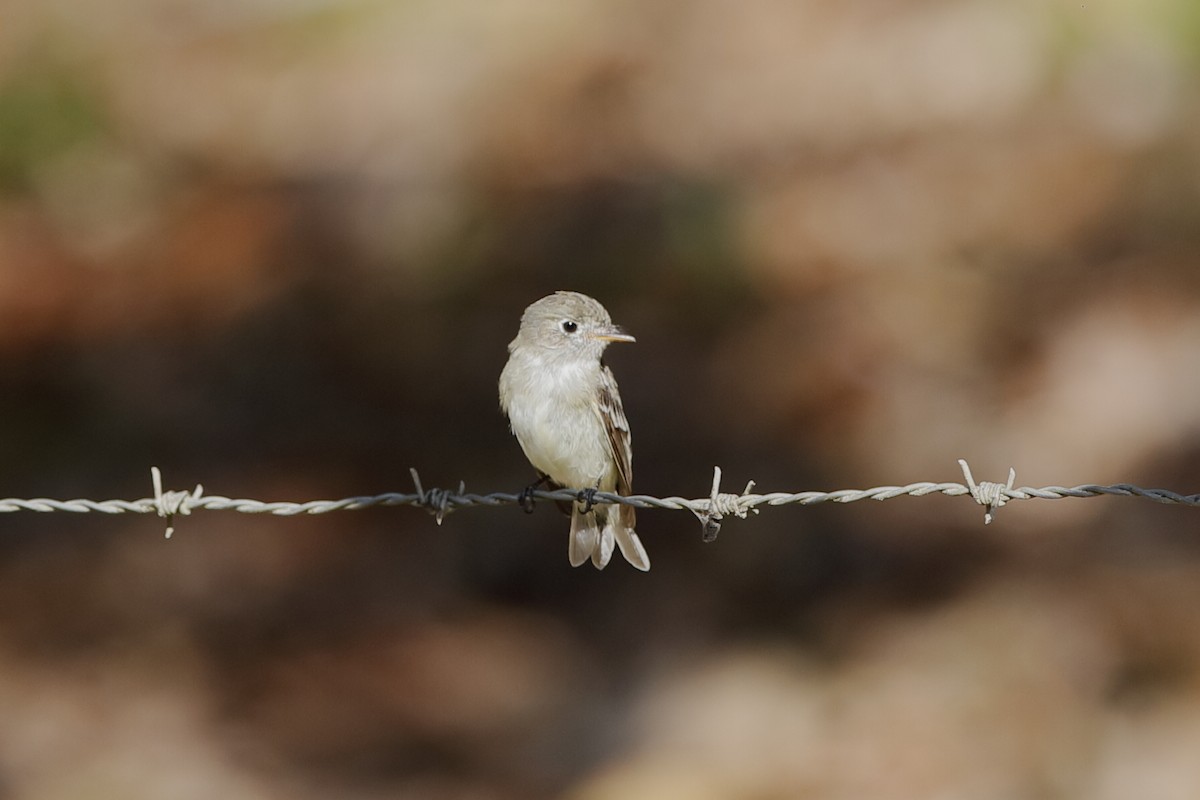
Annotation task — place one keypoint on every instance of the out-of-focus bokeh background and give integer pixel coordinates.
(278, 247)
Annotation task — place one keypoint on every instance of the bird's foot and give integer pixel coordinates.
(525, 498)
(588, 498)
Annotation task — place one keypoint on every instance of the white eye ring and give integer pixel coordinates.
(569, 326)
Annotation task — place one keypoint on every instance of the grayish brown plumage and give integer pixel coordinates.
(564, 408)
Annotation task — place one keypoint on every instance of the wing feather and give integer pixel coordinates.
(616, 428)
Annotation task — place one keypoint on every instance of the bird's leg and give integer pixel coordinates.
(588, 497)
(525, 498)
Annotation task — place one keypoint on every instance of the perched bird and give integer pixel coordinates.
(564, 408)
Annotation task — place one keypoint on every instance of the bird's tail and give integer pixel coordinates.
(596, 533)
(586, 539)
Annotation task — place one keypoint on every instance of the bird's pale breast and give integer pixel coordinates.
(558, 427)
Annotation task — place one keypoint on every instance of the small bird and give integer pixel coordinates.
(564, 408)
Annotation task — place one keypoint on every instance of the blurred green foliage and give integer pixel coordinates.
(44, 112)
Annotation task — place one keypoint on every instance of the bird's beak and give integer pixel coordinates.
(612, 333)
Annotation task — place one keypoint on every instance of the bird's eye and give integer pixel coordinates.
(569, 326)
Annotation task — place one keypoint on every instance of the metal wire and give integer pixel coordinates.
(709, 510)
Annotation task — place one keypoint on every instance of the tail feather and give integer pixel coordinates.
(591, 540)
(604, 547)
(585, 537)
(628, 541)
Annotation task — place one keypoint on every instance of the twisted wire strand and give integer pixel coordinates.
(709, 510)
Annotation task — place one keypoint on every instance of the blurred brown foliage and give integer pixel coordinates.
(278, 248)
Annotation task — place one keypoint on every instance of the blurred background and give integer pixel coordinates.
(278, 247)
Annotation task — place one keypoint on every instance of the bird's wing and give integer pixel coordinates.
(616, 427)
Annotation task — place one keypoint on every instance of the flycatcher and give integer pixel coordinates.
(564, 408)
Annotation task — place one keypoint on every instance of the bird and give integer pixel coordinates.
(564, 408)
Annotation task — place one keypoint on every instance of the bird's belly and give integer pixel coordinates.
(567, 443)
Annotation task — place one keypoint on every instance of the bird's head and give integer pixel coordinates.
(568, 324)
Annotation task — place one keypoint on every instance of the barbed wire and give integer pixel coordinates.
(708, 510)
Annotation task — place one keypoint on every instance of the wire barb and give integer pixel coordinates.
(720, 505)
(436, 501)
(992, 496)
(168, 504)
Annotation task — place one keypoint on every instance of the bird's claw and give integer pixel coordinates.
(525, 498)
(588, 498)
